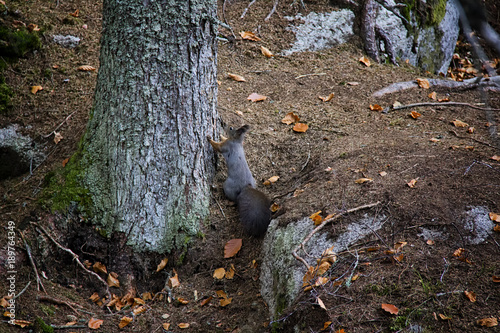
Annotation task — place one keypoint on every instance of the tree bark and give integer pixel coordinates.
(146, 160)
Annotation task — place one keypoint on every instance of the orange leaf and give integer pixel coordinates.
(390, 308)
(340, 331)
(236, 77)
(232, 247)
(300, 128)
(219, 273)
(166, 326)
(206, 301)
(183, 325)
(432, 95)
(33, 27)
(249, 36)
(488, 322)
(75, 13)
(112, 280)
(495, 158)
(254, 97)
(415, 114)
(443, 317)
(326, 325)
(86, 68)
(125, 321)
(494, 217)
(495, 279)
(496, 228)
(317, 219)
(22, 323)
(363, 180)
(412, 183)
(459, 123)
(290, 118)
(162, 264)
(99, 268)
(182, 301)
(94, 324)
(376, 107)
(225, 301)
(327, 98)
(265, 51)
(423, 83)
(35, 89)
(65, 161)
(230, 273)
(174, 281)
(470, 295)
(365, 61)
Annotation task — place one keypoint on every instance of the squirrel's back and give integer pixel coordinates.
(254, 209)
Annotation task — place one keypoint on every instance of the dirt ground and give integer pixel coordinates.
(317, 170)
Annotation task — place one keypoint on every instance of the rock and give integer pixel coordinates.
(67, 41)
(281, 274)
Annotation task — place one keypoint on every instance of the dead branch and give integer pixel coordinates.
(325, 222)
(22, 291)
(492, 83)
(272, 10)
(54, 300)
(246, 9)
(59, 126)
(408, 106)
(28, 250)
(473, 139)
(75, 257)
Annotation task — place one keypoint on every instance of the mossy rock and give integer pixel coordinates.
(16, 44)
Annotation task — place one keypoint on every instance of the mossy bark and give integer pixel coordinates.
(145, 158)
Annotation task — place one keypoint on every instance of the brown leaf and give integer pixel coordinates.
(182, 301)
(35, 89)
(225, 301)
(248, 35)
(232, 247)
(230, 273)
(206, 301)
(99, 268)
(112, 280)
(166, 326)
(376, 107)
(33, 27)
(363, 180)
(365, 61)
(86, 68)
(495, 279)
(494, 217)
(22, 323)
(399, 245)
(183, 325)
(471, 130)
(415, 114)
(433, 95)
(488, 322)
(57, 137)
(76, 13)
(470, 295)
(94, 324)
(273, 179)
(4, 302)
(290, 118)
(94, 297)
(174, 281)
(219, 273)
(459, 123)
(125, 321)
(300, 128)
(496, 228)
(254, 97)
(162, 264)
(459, 252)
(327, 98)
(326, 325)
(423, 83)
(236, 77)
(265, 51)
(430, 242)
(390, 308)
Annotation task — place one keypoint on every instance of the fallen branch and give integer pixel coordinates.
(272, 11)
(28, 250)
(246, 9)
(54, 300)
(491, 82)
(319, 227)
(470, 138)
(408, 106)
(75, 257)
(22, 291)
(59, 126)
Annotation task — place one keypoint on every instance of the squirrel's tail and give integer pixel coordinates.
(254, 209)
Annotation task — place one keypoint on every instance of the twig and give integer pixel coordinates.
(59, 126)
(473, 139)
(60, 302)
(22, 291)
(246, 9)
(272, 10)
(312, 74)
(319, 227)
(28, 250)
(75, 257)
(446, 265)
(401, 107)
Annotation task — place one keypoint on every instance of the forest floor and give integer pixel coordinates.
(455, 175)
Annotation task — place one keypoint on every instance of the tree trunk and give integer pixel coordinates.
(146, 159)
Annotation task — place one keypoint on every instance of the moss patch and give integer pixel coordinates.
(16, 44)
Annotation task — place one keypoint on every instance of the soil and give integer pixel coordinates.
(317, 170)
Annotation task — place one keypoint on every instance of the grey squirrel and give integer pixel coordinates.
(253, 205)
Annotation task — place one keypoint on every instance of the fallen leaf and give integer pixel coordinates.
(354, 83)
(317, 219)
(94, 297)
(326, 325)
(254, 97)
(412, 183)
(433, 95)
(99, 268)
(273, 179)
(94, 324)
(415, 114)
(183, 325)
(22, 323)
(18, 24)
(125, 321)
(232, 247)
(430, 242)
(396, 104)
(162, 264)
(327, 98)
(488, 322)
(340, 331)
(446, 99)
(494, 217)
(206, 301)
(459, 252)
(471, 130)
(423, 83)
(166, 326)
(35, 89)
(321, 304)
(33, 27)
(225, 301)
(495, 279)
(265, 51)
(230, 273)
(57, 137)
(365, 61)
(76, 13)
(300, 128)
(443, 317)
(147, 296)
(248, 35)
(495, 158)
(390, 308)
(376, 107)
(236, 77)
(399, 245)
(434, 140)
(470, 295)
(363, 180)
(174, 281)
(382, 173)
(112, 280)
(459, 123)
(219, 273)
(65, 161)
(290, 118)
(182, 300)
(496, 228)
(86, 68)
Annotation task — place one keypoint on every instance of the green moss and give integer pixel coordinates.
(436, 12)
(5, 96)
(40, 326)
(16, 44)
(49, 310)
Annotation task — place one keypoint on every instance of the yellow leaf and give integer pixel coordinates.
(254, 97)
(265, 51)
(232, 247)
(236, 77)
(249, 36)
(365, 61)
(225, 301)
(274, 179)
(317, 219)
(162, 264)
(125, 321)
(219, 273)
(300, 128)
(423, 83)
(35, 89)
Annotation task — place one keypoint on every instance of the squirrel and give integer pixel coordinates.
(253, 205)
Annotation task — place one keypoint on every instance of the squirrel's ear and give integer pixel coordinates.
(243, 129)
